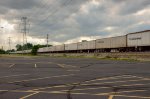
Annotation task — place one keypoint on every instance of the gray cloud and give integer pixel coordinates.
(69, 19)
(132, 6)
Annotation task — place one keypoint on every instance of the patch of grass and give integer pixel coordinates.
(116, 58)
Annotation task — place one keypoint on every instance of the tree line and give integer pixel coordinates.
(28, 46)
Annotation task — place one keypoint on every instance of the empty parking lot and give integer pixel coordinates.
(73, 78)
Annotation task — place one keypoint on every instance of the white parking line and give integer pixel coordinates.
(11, 65)
(73, 70)
(35, 66)
(34, 79)
(111, 97)
(14, 75)
(29, 95)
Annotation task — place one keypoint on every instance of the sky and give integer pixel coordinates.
(70, 21)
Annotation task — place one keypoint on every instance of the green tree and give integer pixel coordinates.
(34, 50)
(27, 46)
(2, 51)
(41, 46)
(18, 47)
(24, 47)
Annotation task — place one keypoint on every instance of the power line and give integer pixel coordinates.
(56, 21)
(64, 4)
(39, 11)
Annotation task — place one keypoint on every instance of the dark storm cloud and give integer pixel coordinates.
(19, 4)
(68, 19)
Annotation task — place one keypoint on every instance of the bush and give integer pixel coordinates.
(2, 51)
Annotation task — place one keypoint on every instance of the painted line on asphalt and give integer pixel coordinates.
(137, 97)
(69, 65)
(111, 78)
(60, 65)
(44, 62)
(75, 83)
(27, 96)
(120, 92)
(11, 65)
(82, 89)
(114, 77)
(61, 91)
(14, 75)
(35, 66)
(73, 70)
(57, 86)
(115, 82)
(65, 66)
(78, 93)
(41, 78)
(111, 97)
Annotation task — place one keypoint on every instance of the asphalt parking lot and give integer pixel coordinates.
(73, 78)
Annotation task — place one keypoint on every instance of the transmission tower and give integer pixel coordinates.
(24, 29)
(47, 39)
(9, 42)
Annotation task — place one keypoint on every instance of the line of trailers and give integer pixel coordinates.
(138, 41)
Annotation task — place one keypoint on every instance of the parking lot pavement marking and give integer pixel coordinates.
(64, 91)
(69, 65)
(41, 78)
(35, 66)
(142, 77)
(128, 85)
(60, 65)
(87, 89)
(72, 70)
(11, 65)
(42, 88)
(114, 94)
(44, 62)
(27, 96)
(113, 77)
(66, 66)
(111, 97)
(137, 97)
(14, 75)
(117, 82)
(111, 94)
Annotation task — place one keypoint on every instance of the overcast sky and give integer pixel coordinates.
(68, 21)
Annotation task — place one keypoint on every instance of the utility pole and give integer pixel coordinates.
(24, 22)
(9, 42)
(2, 34)
(47, 39)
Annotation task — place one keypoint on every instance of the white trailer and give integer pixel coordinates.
(86, 45)
(138, 39)
(71, 47)
(60, 47)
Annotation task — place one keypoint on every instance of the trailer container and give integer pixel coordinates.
(71, 47)
(138, 39)
(118, 42)
(103, 43)
(60, 47)
(51, 48)
(82, 45)
(91, 44)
